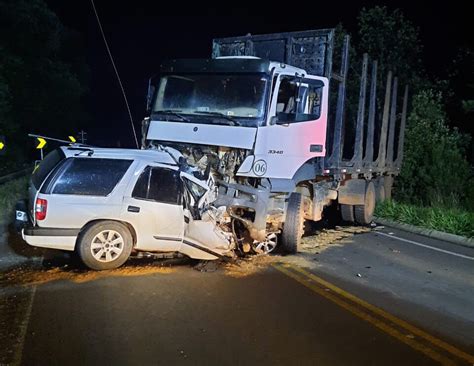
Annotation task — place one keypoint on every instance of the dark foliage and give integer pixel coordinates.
(42, 75)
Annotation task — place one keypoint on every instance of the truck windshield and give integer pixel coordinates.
(220, 98)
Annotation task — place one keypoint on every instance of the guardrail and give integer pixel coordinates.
(17, 174)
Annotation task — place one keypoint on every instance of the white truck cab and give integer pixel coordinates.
(269, 110)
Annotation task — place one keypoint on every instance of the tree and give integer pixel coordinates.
(434, 171)
(40, 90)
(393, 40)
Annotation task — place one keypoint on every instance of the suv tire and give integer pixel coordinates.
(105, 245)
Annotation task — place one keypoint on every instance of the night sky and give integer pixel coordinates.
(142, 34)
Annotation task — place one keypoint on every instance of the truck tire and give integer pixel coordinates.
(380, 190)
(293, 227)
(347, 212)
(104, 245)
(388, 184)
(365, 213)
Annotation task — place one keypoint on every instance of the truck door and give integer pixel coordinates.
(155, 208)
(296, 128)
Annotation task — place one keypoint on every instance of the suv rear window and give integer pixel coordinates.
(89, 177)
(46, 165)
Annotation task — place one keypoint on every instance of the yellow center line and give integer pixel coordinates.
(411, 328)
(311, 281)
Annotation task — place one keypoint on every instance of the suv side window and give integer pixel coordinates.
(158, 184)
(88, 176)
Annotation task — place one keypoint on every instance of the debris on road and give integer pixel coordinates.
(250, 265)
(34, 276)
(57, 270)
(310, 245)
(206, 266)
(359, 275)
(394, 250)
(328, 237)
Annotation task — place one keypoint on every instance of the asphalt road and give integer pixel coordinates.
(378, 298)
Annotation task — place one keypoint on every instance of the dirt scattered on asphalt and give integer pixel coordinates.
(327, 238)
(248, 266)
(31, 276)
(311, 245)
(241, 267)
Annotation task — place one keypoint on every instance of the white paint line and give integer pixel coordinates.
(426, 246)
(23, 329)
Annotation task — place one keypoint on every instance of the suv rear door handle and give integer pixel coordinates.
(133, 209)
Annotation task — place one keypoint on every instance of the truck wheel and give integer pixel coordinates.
(347, 212)
(294, 224)
(365, 213)
(387, 184)
(105, 245)
(380, 190)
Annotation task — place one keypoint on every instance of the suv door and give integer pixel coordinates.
(154, 207)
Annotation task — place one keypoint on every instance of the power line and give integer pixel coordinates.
(116, 73)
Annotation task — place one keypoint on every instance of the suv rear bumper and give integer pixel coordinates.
(54, 238)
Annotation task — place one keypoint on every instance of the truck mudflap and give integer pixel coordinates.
(234, 196)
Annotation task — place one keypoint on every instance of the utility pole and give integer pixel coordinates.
(82, 136)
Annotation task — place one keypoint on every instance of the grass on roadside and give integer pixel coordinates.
(450, 220)
(11, 192)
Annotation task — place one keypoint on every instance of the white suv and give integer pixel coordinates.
(104, 203)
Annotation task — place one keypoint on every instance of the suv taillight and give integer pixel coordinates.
(41, 208)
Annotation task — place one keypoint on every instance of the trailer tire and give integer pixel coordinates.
(387, 184)
(380, 191)
(347, 212)
(293, 227)
(365, 213)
